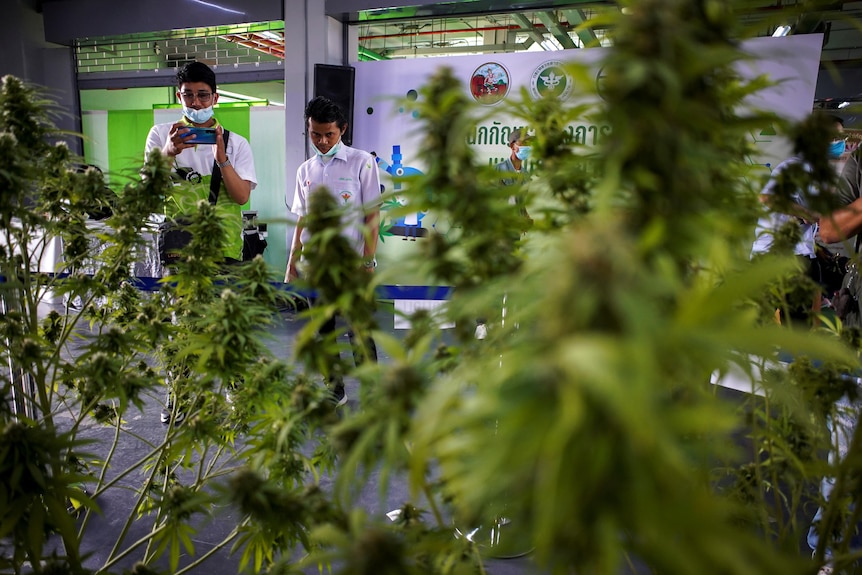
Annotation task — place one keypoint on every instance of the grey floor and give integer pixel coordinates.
(103, 529)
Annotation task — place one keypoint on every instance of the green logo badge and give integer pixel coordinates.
(550, 81)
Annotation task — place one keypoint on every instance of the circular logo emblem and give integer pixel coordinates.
(550, 81)
(600, 83)
(489, 84)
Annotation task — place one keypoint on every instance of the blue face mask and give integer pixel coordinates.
(332, 151)
(836, 149)
(523, 152)
(198, 116)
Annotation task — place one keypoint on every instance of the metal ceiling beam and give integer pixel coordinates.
(528, 27)
(265, 72)
(430, 51)
(371, 54)
(576, 18)
(549, 19)
(353, 11)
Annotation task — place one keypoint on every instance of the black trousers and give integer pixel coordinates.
(359, 350)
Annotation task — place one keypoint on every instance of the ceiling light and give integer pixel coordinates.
(783, 30)
(843, 105)
(216, 6)
(270, 35)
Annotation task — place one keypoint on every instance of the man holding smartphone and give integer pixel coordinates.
(194, 160)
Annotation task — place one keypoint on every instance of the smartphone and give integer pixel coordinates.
(201, 136)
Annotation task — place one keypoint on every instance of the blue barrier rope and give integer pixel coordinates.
(383, 292)
(387, 292)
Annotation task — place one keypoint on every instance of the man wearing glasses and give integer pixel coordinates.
(193, 161)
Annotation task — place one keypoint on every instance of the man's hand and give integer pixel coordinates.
(219, 152)
(178, 140)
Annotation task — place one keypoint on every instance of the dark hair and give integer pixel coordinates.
(324, 111)
(196, 72)
(514, 136)
(836, 119)
(520, 135)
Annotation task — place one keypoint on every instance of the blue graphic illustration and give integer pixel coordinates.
(410, 225)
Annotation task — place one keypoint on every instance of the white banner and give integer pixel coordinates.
(383, 126)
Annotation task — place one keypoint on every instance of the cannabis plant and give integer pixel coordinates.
(583, 427)
(585, 424)
(87, 345)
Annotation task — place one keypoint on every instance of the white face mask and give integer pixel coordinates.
(332, 151)
(201, 116)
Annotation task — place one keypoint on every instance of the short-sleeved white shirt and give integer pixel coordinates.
(772, 221)
(352, 177)
(200, 159)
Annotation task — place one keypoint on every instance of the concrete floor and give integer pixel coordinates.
(103, 529)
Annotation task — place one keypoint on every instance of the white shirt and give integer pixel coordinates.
(772, 221)
(352, 177)
(200, 159)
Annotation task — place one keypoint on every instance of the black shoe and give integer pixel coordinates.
(165, 416)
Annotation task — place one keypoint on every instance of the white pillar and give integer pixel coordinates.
(310, 37)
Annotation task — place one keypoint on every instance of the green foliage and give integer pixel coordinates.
(201, 334)
(586, 417)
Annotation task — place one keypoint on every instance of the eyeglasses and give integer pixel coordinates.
(189, 97)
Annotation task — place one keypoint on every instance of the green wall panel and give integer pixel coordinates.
(235, 120)
(127, 136)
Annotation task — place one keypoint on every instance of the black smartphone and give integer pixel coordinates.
(201, 135)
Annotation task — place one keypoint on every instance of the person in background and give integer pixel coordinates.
(841, 227)
(519, 152)
(832, 258)
(514, 167)
(194, 163)
(196, 90)
(797, 212)
(352, 177)
(513, 173)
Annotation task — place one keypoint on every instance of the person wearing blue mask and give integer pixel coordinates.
(194, 162)
(820, 262)
(351, 176)
(840, 229)
(194, 165)
(515, 167)
(520, 151)
(513, 173)
(832, 257)
(772, 219)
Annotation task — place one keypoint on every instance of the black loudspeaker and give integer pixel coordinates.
(336, 83)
